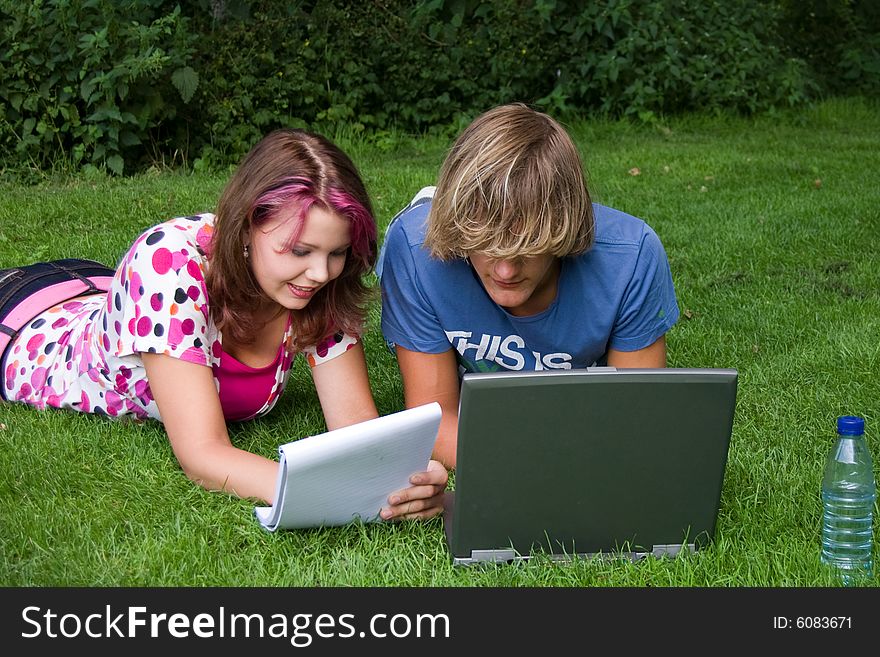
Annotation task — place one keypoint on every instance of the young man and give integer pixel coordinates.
(507, 264)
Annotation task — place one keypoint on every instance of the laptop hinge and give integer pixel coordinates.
(502, 555)
(671, 549)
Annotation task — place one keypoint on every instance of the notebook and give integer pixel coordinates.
(347, 474)
(568, 463)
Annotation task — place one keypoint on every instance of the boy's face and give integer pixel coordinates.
(522, 286)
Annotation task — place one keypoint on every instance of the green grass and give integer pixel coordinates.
(777, 275)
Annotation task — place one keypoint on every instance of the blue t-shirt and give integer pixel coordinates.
(619, 295)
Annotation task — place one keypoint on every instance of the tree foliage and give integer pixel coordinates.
(122, 84)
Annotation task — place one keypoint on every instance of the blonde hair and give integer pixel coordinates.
(512, 185)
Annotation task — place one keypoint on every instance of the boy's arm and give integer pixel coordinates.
(651, 356)
(433, 377)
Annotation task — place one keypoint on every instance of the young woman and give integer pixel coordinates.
(509, 265)
(206, 312)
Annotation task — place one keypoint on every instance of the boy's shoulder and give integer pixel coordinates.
(411, 223)
(618, 227)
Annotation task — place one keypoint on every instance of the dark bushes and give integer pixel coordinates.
(127, 83)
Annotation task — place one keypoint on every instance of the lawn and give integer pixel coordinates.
(771, 226)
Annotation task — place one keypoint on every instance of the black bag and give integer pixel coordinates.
(26, 292)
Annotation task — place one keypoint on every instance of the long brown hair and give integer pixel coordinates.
(291, 166)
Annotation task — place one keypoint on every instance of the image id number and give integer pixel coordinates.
(812, 623)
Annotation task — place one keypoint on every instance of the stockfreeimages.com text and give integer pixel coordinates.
(300, 629)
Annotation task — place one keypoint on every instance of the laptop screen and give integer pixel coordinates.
(587, 461)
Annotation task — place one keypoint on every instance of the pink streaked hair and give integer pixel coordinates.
(301, 192)
(294, 170)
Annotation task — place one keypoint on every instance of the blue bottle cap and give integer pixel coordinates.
(850, 425)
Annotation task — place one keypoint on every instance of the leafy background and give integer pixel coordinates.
(124, 85)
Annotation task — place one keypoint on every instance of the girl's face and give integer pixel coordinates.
(291, 275)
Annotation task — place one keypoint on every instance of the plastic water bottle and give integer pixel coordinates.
(848, 493)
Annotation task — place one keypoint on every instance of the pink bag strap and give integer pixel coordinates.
(46, 298)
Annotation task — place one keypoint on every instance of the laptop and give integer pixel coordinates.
(572, 463)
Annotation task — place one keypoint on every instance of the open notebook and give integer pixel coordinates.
(347, 474)
(578, 462)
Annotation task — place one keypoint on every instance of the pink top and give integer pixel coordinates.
(244, 390)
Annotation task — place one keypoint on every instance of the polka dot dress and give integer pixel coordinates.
(84, 354)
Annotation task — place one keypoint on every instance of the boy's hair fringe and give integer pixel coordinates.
(512, 185)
